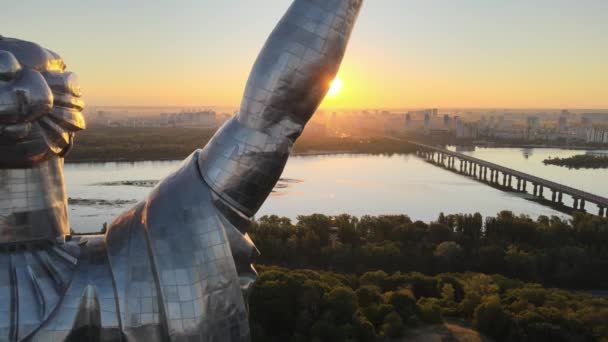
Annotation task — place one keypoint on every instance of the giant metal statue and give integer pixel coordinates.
(176, 267)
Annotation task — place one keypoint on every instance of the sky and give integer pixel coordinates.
(403, 53)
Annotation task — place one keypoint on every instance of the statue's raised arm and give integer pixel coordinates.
(289, 80)
(194, 223)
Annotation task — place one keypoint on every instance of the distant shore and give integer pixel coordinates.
(554, 146)
(170, 159)
(134, 144)
(104, 144)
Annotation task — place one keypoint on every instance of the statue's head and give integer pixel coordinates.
(40, 110)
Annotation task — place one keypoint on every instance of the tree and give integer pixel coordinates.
(364, 329)
(430, 310)
(448, 252)
(342, 302)
(447, 294)
(393, 326)
(403, 302)
(317, 223)
(478, 288)
(491, 319)
(376, 278)
(368, 295)
(491, 259)
(439, 232)
(347, 229)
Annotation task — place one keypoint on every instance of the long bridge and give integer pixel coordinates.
(480, 169)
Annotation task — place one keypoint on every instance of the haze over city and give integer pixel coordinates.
(404, 54)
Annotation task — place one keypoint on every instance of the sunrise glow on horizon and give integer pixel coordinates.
(415, 53)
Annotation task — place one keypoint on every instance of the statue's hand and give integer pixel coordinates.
(297, 65)
(40, 104)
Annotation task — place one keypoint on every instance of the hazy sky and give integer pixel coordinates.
(404, 53)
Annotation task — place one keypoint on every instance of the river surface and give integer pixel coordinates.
(335, 184)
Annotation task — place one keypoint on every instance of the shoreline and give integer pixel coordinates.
(160, 159)
(324, 153)
(557, 147)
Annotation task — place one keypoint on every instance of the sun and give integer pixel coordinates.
(335, 87)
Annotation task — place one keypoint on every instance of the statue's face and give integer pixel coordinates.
(40, 105)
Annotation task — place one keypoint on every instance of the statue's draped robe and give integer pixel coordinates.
(163, 270)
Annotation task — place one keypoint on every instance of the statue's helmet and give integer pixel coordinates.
(40, 104)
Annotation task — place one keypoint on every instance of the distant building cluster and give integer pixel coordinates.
(598, 135)
(445, 125)
(510, 126)
(200, 119)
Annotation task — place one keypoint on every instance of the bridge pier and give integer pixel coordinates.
(575, 204)
(540, 191)
(553, 195)
(582, 204)
(601, 213)
(560, 197)
(504, 179)
(510, 179)
(518, 183)
(525, 186)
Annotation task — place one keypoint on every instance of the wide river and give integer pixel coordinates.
(335, 184)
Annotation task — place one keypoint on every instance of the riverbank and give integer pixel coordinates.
(124, 144)
(553, 146)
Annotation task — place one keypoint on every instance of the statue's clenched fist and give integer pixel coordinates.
(40, 104)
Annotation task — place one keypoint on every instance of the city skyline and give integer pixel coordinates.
(404, 54)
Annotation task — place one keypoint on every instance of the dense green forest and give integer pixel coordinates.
(582, 161)
(103, 144)
(305, 305)
(344, 278)
(555, 252)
